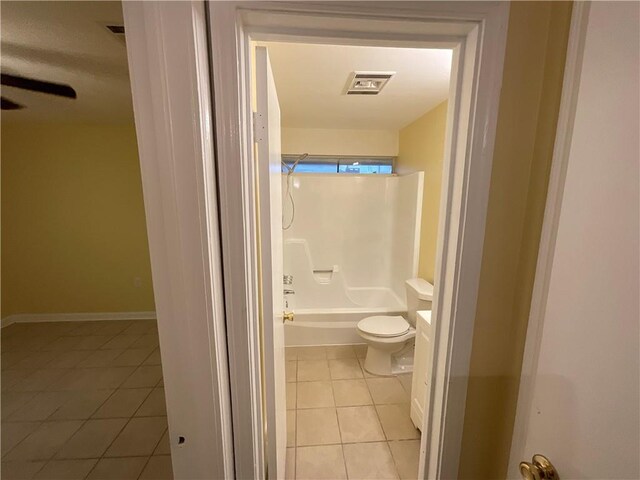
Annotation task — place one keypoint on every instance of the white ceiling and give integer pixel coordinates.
(66, 42)
(311, 81)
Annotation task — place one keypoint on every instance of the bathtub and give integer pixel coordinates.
(326, 309)
(331, 326)
(314, 325)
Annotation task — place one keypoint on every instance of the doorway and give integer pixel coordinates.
(465, 187)
(345, 136)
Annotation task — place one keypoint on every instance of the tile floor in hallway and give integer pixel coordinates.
(83, 400)
(344, 423)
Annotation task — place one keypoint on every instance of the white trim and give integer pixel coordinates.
(238, 243)
(75, 317)
(477, 33)
(557, 176)
(169, 70)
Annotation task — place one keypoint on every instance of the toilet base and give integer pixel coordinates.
(402, 362)
(386, 363)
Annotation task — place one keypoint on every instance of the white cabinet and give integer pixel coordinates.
(422, 366)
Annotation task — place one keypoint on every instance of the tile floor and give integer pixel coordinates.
(344, 423)
(83, 400)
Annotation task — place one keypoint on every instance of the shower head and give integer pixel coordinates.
(290, 169)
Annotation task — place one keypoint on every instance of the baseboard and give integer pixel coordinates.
(75, 317)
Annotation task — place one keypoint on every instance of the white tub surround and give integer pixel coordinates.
(353, 243)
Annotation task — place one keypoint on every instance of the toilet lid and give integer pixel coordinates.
(384, 326)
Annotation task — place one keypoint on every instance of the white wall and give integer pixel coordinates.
(318, 141)
(368, 226)
(405, 228)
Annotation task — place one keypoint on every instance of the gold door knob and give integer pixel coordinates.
(287, 317)
(540, 468)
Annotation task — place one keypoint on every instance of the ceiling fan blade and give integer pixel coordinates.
(9, 105)
(37, 85)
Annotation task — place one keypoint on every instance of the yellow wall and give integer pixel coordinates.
(326, 141)
(529, 103)
(421, 148)
(73, 225)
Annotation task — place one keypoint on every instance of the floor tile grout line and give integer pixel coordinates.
(156, 385)
(125, 424)
(115, 436)
(56, 337)
(154, 449)
(344, 460)
(396, 462)
(33, 432)
(33, 370)
(166, 430)
(345, 443)
(35, 460)
(85, 421)
(375, 408)
(385, 441)
(296, 446)
(101, 458)
(53, 459)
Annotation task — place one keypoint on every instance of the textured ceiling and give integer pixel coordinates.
(66, 42)
(311, 81)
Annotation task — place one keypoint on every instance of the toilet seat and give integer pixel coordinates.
(385, 326)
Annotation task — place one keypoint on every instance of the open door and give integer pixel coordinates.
(267, 137)
(580, 390)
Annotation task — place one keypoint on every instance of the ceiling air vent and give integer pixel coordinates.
(368, 83)
(118, 32)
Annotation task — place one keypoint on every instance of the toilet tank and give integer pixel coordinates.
(419, 297)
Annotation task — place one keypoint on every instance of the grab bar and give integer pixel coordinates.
(333, 269)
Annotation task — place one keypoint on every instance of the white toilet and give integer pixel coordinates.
(390, 339)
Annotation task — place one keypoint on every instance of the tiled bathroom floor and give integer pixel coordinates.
(344, 423)
(83, 400)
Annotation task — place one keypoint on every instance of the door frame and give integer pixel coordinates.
(546, 250)
(169, 71)
(477, 33)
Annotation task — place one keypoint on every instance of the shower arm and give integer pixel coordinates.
(290, 169)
